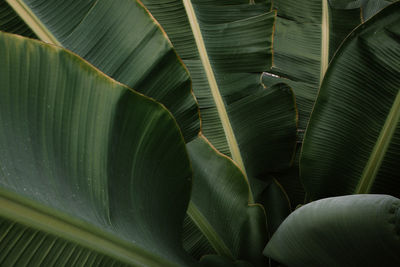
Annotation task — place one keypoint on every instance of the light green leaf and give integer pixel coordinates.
(352, 142)
(226, 46)
(356, 230)
(123, 41)
(91, 172)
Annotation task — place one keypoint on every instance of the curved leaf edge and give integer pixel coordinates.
(7, 197)
(220, 247)
(103, 75)
(337, 53)
(164, 33)
(382, 209)
(50, 39)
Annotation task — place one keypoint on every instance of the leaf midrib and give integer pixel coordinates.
(379, 151)
(324, 40)
(26, 14)
(219, 102)
(30, 214)
(212, 236)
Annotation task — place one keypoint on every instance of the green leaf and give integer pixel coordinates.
(371, 7)
(306, 36)
(352, 142)
(123, 41)
(276, 203)
(220, 209)
(11, 22)
(226, 47)
(356, 230)
(91, 172)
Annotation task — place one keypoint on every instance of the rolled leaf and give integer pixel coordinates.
(91, 172)
(356, 230)
(123, 41)
(352, 141)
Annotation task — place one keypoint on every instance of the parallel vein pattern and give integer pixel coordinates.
(87, 160)
(123, 41)
(237, 39)
(215, 91)
(354, 132)
(11, 22)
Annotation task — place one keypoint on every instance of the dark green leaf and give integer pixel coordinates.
(123, 41)
(356, 230)
(352, 144)
(11, 22)
(220, 208)
(91, 172)
(226, 47)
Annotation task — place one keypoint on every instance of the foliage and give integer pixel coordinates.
(199, 164)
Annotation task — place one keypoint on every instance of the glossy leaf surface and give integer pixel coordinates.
(356, 230)
(123, 41)
(92, 173)
(352, 142)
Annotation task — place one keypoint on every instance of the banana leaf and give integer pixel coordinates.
(220, 210)
(211, 40)
(91, 172)
(355, 230)
(352, 141)
(11, 22)
(66, 10)
(307, 35)
(226, 46)
(122, 40)
(371, 7)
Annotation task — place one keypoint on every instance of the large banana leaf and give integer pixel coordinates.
(253, 218)
(91, 172)
(356, 230)
(308, 33)
(211, 41)
(226, 45)
(123, 41)
(352, 141)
